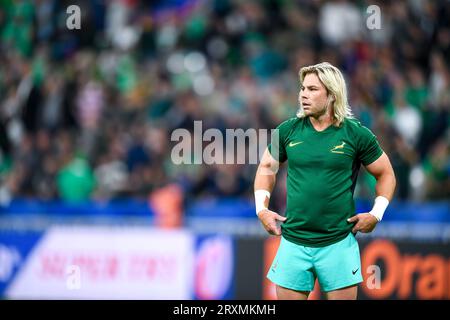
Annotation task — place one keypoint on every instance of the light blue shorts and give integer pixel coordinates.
(336, 266)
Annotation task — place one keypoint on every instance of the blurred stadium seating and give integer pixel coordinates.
(86, 118)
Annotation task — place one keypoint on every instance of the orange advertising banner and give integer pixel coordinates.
(391, 270)
(405, 270)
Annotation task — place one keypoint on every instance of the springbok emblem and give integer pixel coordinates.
(335, 149)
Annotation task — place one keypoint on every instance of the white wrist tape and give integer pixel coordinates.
(260, 198)
(379, 207)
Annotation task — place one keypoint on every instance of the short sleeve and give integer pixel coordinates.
(369, 149)
(277, 148)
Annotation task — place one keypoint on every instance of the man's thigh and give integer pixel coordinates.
(338, 266)
(292, 267)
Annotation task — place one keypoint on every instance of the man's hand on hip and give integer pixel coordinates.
(269, 220)
(364, 222)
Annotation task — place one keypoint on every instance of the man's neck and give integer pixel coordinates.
(322, 122)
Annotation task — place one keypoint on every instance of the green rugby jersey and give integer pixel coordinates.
(322, 171)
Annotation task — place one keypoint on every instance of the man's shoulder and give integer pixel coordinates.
(289, 123)
(353, 123)
(357, 129)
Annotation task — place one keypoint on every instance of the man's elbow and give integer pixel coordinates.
(391, 180)
(387, 178)
(394, 180)
(267, 168)
(264, 170)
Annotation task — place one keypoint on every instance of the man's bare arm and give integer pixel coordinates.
(382, 170)
(265, 181)
(266, 174)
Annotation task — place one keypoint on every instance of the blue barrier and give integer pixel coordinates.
(397, 211)
(123, 207)
(212, 208)
(222, 208)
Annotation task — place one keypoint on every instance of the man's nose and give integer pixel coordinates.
(303, 96)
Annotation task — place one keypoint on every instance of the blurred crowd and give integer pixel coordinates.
(88, 113)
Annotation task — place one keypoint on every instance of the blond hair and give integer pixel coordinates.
(334, 82)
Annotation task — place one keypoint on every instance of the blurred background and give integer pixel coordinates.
(92, 205)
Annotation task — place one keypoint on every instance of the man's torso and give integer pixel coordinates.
(322, 171)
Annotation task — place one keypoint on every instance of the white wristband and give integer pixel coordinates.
(260, 199)
(379, 207)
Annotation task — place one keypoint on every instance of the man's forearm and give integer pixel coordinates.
(385, 185)
(264, 180)
(384, 189)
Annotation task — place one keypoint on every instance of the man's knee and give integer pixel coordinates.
(289, 294)
(347, 293)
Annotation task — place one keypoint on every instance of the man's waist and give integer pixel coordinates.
(316, 238)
